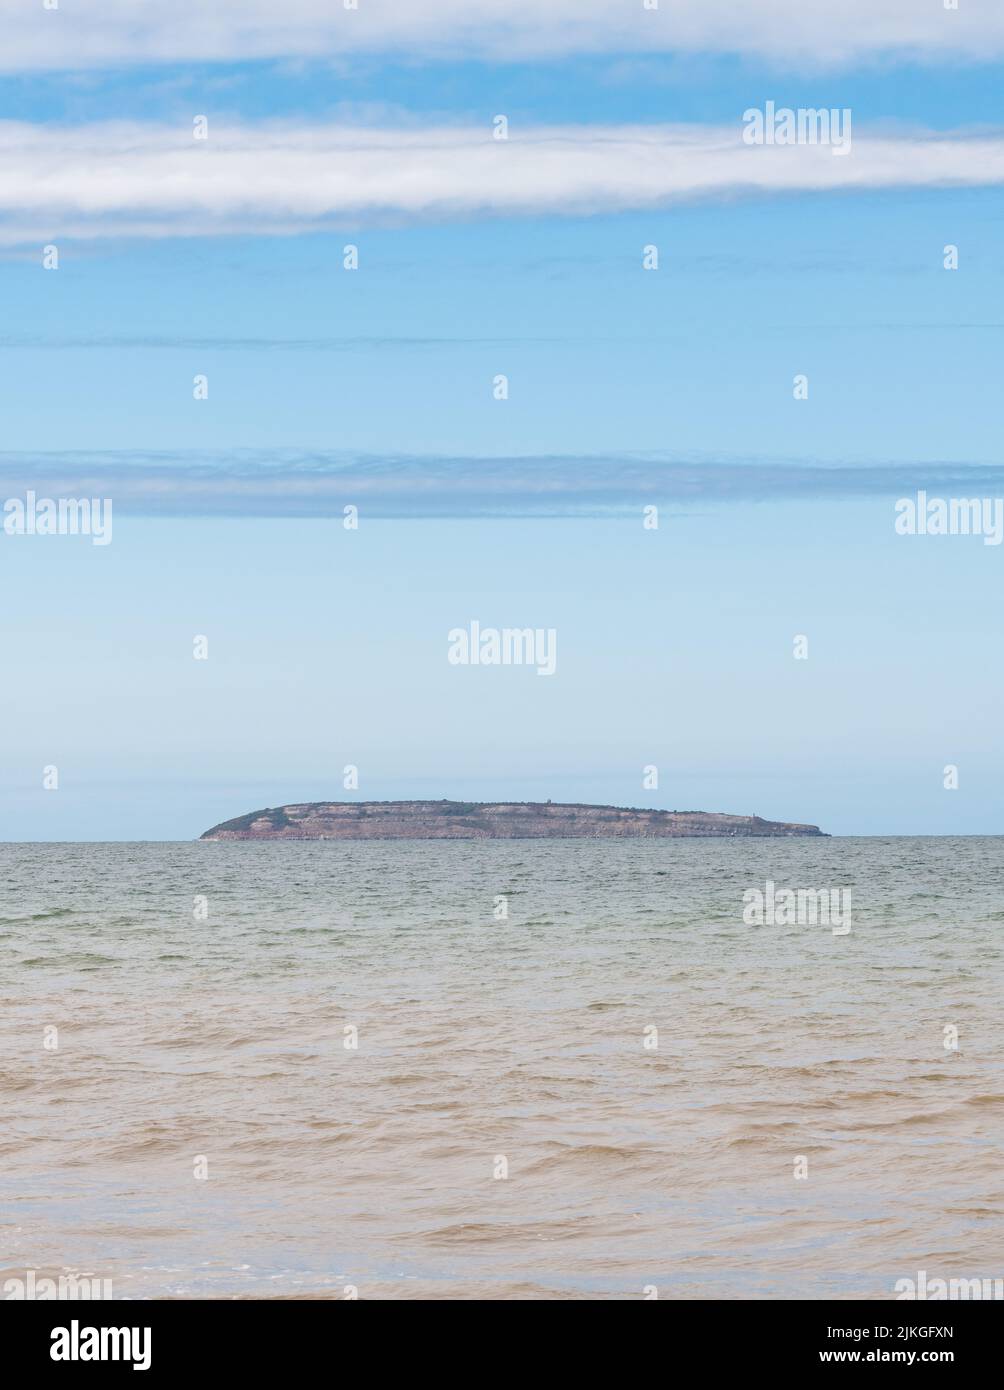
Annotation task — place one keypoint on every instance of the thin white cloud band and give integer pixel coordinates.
(118, 179)
(81, 34)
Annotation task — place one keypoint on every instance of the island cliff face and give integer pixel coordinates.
(486, 820)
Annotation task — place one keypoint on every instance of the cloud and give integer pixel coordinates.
(102, 33)
(318, 485)
(146, 180)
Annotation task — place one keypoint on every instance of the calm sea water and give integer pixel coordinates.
(218, 1046)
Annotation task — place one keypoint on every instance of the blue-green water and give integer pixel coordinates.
(198, 1125)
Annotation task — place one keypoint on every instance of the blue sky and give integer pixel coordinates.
(374, 387)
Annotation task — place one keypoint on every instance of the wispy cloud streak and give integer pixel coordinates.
(103, 33)
(127, 179)
(297, 484)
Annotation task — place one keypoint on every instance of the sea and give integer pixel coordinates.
(542, 1069)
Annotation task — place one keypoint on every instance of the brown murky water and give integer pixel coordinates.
(200, 1124)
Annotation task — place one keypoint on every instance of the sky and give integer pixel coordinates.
(222, 260)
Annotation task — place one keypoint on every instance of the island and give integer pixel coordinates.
(489, 820)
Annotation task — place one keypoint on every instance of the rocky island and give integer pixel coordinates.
(488, 820)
